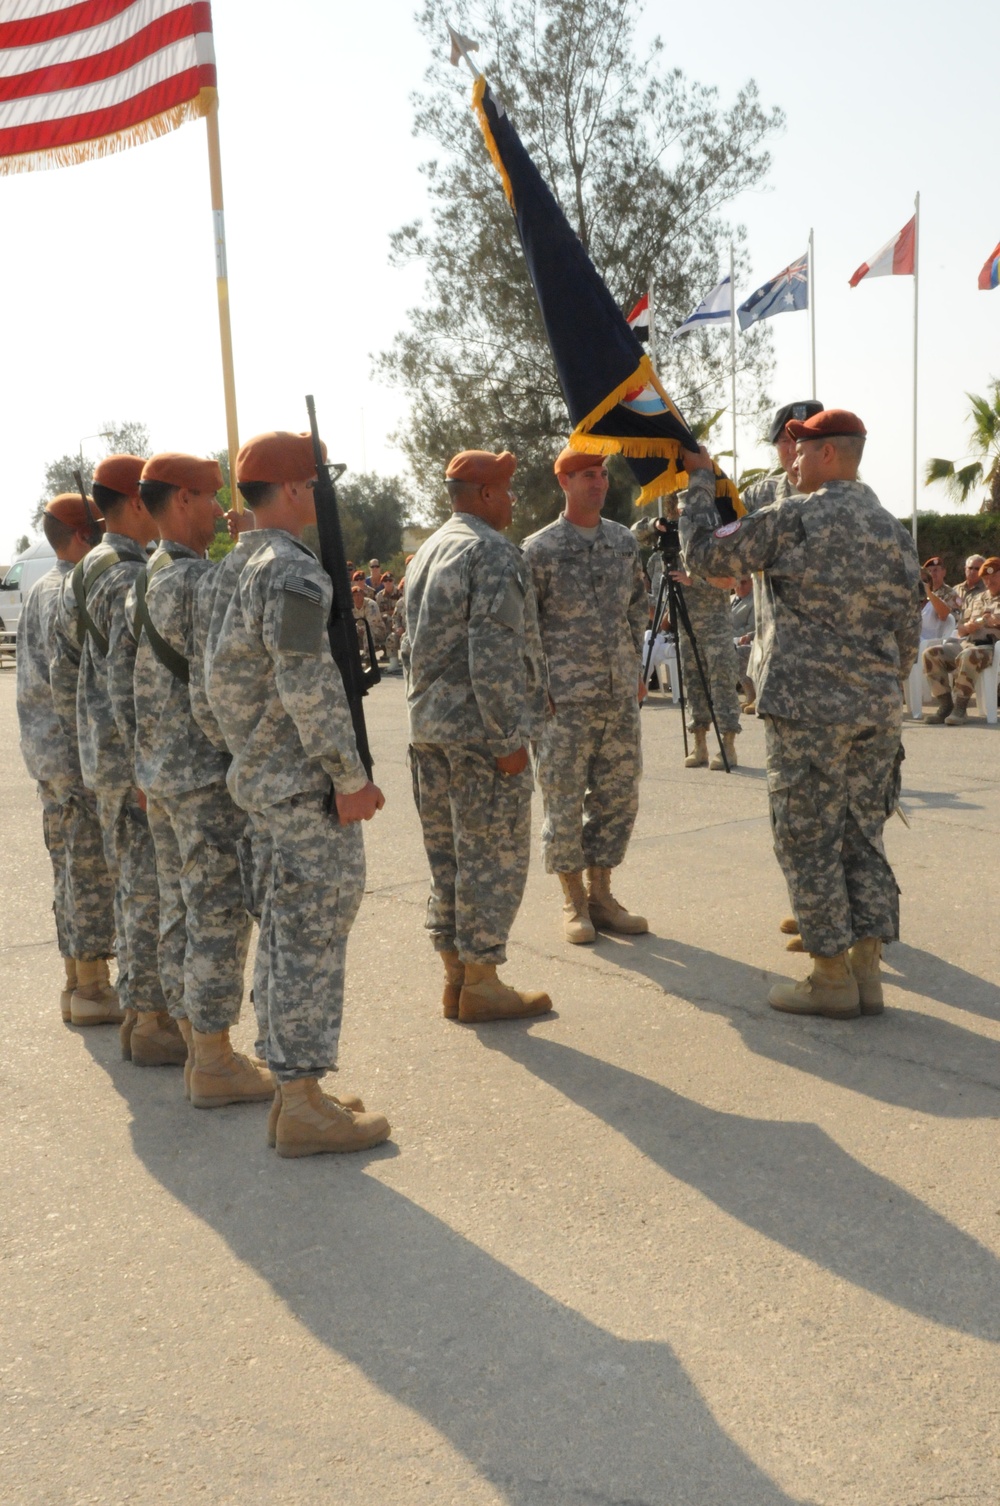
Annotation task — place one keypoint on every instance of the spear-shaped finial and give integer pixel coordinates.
(460, 48)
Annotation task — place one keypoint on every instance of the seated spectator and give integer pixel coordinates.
(965, 655)
(940, 600)
(973, 584)
(373, 579)
(366, 610)
(742, 609)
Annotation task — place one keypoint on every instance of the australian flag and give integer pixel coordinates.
(788, 291)
(615, 400)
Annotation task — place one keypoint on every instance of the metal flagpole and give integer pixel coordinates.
(732, 347)
(916, 307)
(812, 311)
(651, 313)
(222, 289)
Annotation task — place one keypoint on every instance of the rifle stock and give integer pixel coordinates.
(342, 632)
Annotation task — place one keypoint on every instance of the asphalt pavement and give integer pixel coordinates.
(662, 1247)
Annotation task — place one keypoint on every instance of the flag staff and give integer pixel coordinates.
(812, 311)
(916, 306)
(222, 289)
(652, 322)
(732, 347)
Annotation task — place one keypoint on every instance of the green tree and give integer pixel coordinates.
(125, 437)
(641, 160)
(960, 480)
(23, 543)
(377, 506)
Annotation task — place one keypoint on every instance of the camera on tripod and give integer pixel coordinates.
(667, 539)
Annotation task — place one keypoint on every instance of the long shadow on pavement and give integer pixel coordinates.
(549, 1408)
(902, 1057)
(788, 1180)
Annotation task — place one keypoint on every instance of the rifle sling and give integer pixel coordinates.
(83, 583)
(167, 655)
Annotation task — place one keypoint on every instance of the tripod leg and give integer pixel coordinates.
(673, 611)
(686, 623)
(654, 629)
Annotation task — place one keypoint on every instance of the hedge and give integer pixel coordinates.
(954, 536)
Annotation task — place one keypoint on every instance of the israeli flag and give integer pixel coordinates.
(784, 293)
(717, 308)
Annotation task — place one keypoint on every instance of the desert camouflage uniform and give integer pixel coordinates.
(593, 612)
(839, 630)
(83, 894)
(476, 692)
(213, 593)
(963, 658)
(204, 927)
(968, 596)
(279, 701)
(106, 762)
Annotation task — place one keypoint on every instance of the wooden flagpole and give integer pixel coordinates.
(916, 306)
(222, 289)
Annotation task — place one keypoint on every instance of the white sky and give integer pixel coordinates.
(108, 268)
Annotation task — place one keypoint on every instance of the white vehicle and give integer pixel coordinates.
(19, 579)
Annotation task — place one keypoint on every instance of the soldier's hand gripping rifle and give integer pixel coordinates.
(96, 532)
(341, 628)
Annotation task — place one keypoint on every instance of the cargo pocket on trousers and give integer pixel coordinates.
(792, 803)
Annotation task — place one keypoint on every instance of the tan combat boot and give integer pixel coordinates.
(605, 911)
(66, 992)
(484, 997)
(156, 1040)
(125, 1033)
(829, 990)
(454, 977)
(577, 924)
(187, 1032)
(93, 1000)
(945, 705)
(221, 1075)
(729, 743)
(789, 926)
(347, 1100)
(698, 759)
(866, 955)
(311, 1123)
(959, 713)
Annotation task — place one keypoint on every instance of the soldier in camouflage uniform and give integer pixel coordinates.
(592, 614)
(707, 603)
(279, 701)
(840, 631)
(972, 585)
(90, 615)
(476, 696)
(204, 926)
(82, 888)
(967, 655)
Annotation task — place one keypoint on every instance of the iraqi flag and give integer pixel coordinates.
(897, 257)
(81, 80)
(638, 320)
(990, 275)
(616, 403)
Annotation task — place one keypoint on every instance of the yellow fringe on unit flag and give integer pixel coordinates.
(117, 141)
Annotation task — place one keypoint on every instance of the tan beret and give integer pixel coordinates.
(568, 461)
(277, 457)
(190, 471)
(481, 467)
(68, 508)
(119, 473)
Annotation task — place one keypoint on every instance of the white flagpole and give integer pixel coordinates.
(916, 307)
(812, 311)
(732, 347)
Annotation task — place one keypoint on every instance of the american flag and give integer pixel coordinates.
(78, 81)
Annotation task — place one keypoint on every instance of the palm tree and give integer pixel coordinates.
(959, 481)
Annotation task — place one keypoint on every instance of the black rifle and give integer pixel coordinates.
(96, 531)
(341, 627)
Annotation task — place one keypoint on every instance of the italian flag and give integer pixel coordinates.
(897, 257)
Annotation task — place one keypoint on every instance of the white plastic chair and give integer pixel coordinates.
(986, 687)
(663, 663)
(918, 688)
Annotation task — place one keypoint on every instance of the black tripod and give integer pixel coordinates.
(671, 595)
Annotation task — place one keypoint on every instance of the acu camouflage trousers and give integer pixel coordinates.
(831, 789)
(963, 659)
(316, 886)
(128, 849)
(83, 893)
(204, 926)
(477, 835)
(712, 625)
(588, 762)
